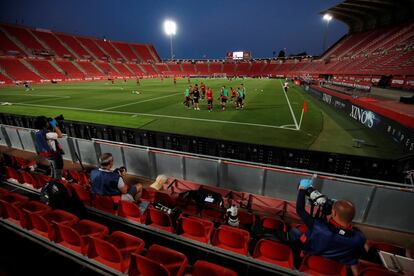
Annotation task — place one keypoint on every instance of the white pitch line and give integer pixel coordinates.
(156, 115)
(144, 101)
(290, 107)
(301, 117)
(35, 95)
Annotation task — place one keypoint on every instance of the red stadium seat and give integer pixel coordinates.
(159, 219)
(29, 180)
(195, 228)
(11, 199)
(3, 192)
(76, 237)
(115, 251)
(320, 266)
(45, 225)
(82, 193)
(203, 268)
(274, 252)
(130, 210)
(12, 175)
(213, 214)
(233, 239)
(104, 203)
(377, 271)
(159, 261)
(247, 220)
(32, 207)
(272, 224)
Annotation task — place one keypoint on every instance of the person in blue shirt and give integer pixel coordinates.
(109, 183)
(47, 145)
(334, 238)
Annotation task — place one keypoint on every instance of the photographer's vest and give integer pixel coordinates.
(104, 182)
(43, 147)
(341, 245)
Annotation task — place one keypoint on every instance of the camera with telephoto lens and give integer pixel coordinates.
(319, 200)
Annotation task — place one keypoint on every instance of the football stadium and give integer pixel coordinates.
(213, 147)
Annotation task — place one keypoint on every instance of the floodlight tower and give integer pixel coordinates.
(327, 18)
(170, 29)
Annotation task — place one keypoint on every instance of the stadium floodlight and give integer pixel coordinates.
(170, 29)
(326, 17)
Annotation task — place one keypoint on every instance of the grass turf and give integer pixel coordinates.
(266, 118)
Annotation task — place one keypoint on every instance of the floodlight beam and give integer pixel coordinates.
(170, 28)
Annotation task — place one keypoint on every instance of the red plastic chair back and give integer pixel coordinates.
(129, 210)
(12, 175)
(160, 219)
(32, 207)
(274, 252)
(104, 203)
(196, 228)
(322, 266)
(203, 268)
(232, 239)
(82, 193)
(174, 261)
(273, 224)
(141, 265)
(377, 271)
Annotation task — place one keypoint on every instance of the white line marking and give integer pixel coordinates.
(290, 107)
(301, 117)
(156, 115)
(144, 101)
(35, 95)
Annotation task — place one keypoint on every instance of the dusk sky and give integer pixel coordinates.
(205, 28)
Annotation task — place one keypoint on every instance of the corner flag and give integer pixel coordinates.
(304, 107)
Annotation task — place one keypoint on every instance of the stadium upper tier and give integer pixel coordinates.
(40, 55)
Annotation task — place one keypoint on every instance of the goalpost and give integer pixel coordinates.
(219, 75)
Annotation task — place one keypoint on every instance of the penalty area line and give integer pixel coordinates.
(157, 116)
(290, 107)
(138, 102)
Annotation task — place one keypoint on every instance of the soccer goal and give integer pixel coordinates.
(219, 75)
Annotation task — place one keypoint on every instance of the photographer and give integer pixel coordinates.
(333, 238)
(47, 145)
(108, 183)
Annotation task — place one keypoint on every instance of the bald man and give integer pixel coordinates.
(334, 238)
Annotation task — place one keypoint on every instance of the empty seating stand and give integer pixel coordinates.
(233, 239)
(159, 260)
(115, 250)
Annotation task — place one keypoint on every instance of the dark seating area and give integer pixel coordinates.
(204, 225)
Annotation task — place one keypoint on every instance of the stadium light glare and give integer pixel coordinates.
(327, 17)
(170, 29)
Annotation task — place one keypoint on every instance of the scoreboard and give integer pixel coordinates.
(238, 55)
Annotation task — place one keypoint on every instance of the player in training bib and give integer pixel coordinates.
(239, 103)
(209, 95)
(243, 91)
(187, 97)
(224, 95)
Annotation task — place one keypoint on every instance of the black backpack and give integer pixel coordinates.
(57, 196)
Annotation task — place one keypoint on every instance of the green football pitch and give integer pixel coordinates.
(270, 116)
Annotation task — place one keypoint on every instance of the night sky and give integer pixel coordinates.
(206, 29)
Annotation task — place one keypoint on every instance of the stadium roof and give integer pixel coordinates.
(362, 15)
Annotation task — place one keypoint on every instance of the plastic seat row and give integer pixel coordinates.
(119, 250)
